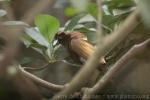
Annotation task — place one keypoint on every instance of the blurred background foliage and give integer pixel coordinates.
(39, 45)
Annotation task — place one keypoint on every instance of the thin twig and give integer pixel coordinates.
(99, 18)
(41, 82)
(36, 69)
(111, 41)
(136, 50)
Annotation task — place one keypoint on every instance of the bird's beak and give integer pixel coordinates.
(103, 61)
(55, 43)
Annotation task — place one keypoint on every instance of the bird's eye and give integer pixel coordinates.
(55, 42)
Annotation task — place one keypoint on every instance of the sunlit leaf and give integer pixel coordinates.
(92, 9)
(48, 26)
(87, 18)
(118, 12)
(73, 22)
(70, 11)
(34, 34)
(119, 4)
(27, 40)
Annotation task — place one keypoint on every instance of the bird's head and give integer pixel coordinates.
(63, 38)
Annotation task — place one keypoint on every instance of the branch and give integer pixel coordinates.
(109, 42)
(39, 81)
(99, 18)
(136, 50)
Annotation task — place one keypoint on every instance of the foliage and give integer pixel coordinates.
(119, 4)
(41, 38)
(43, 35)
(47, 25)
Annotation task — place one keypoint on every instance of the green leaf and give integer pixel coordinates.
(70, 11)
(39, 48)
(73, 22)
(34, 34)
(87, 18)
(48, 26)
(27, 40)
(110, 21)
(92, 9)
(119, 4)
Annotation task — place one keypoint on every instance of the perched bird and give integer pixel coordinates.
(78, 45)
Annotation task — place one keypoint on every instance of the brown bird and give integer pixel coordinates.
(77, 43)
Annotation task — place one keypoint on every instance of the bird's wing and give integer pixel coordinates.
(83, 49)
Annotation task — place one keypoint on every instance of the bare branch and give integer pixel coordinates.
(136, 50)
(41, 82)
(99, 18)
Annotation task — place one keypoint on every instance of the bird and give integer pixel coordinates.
(78, 45)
